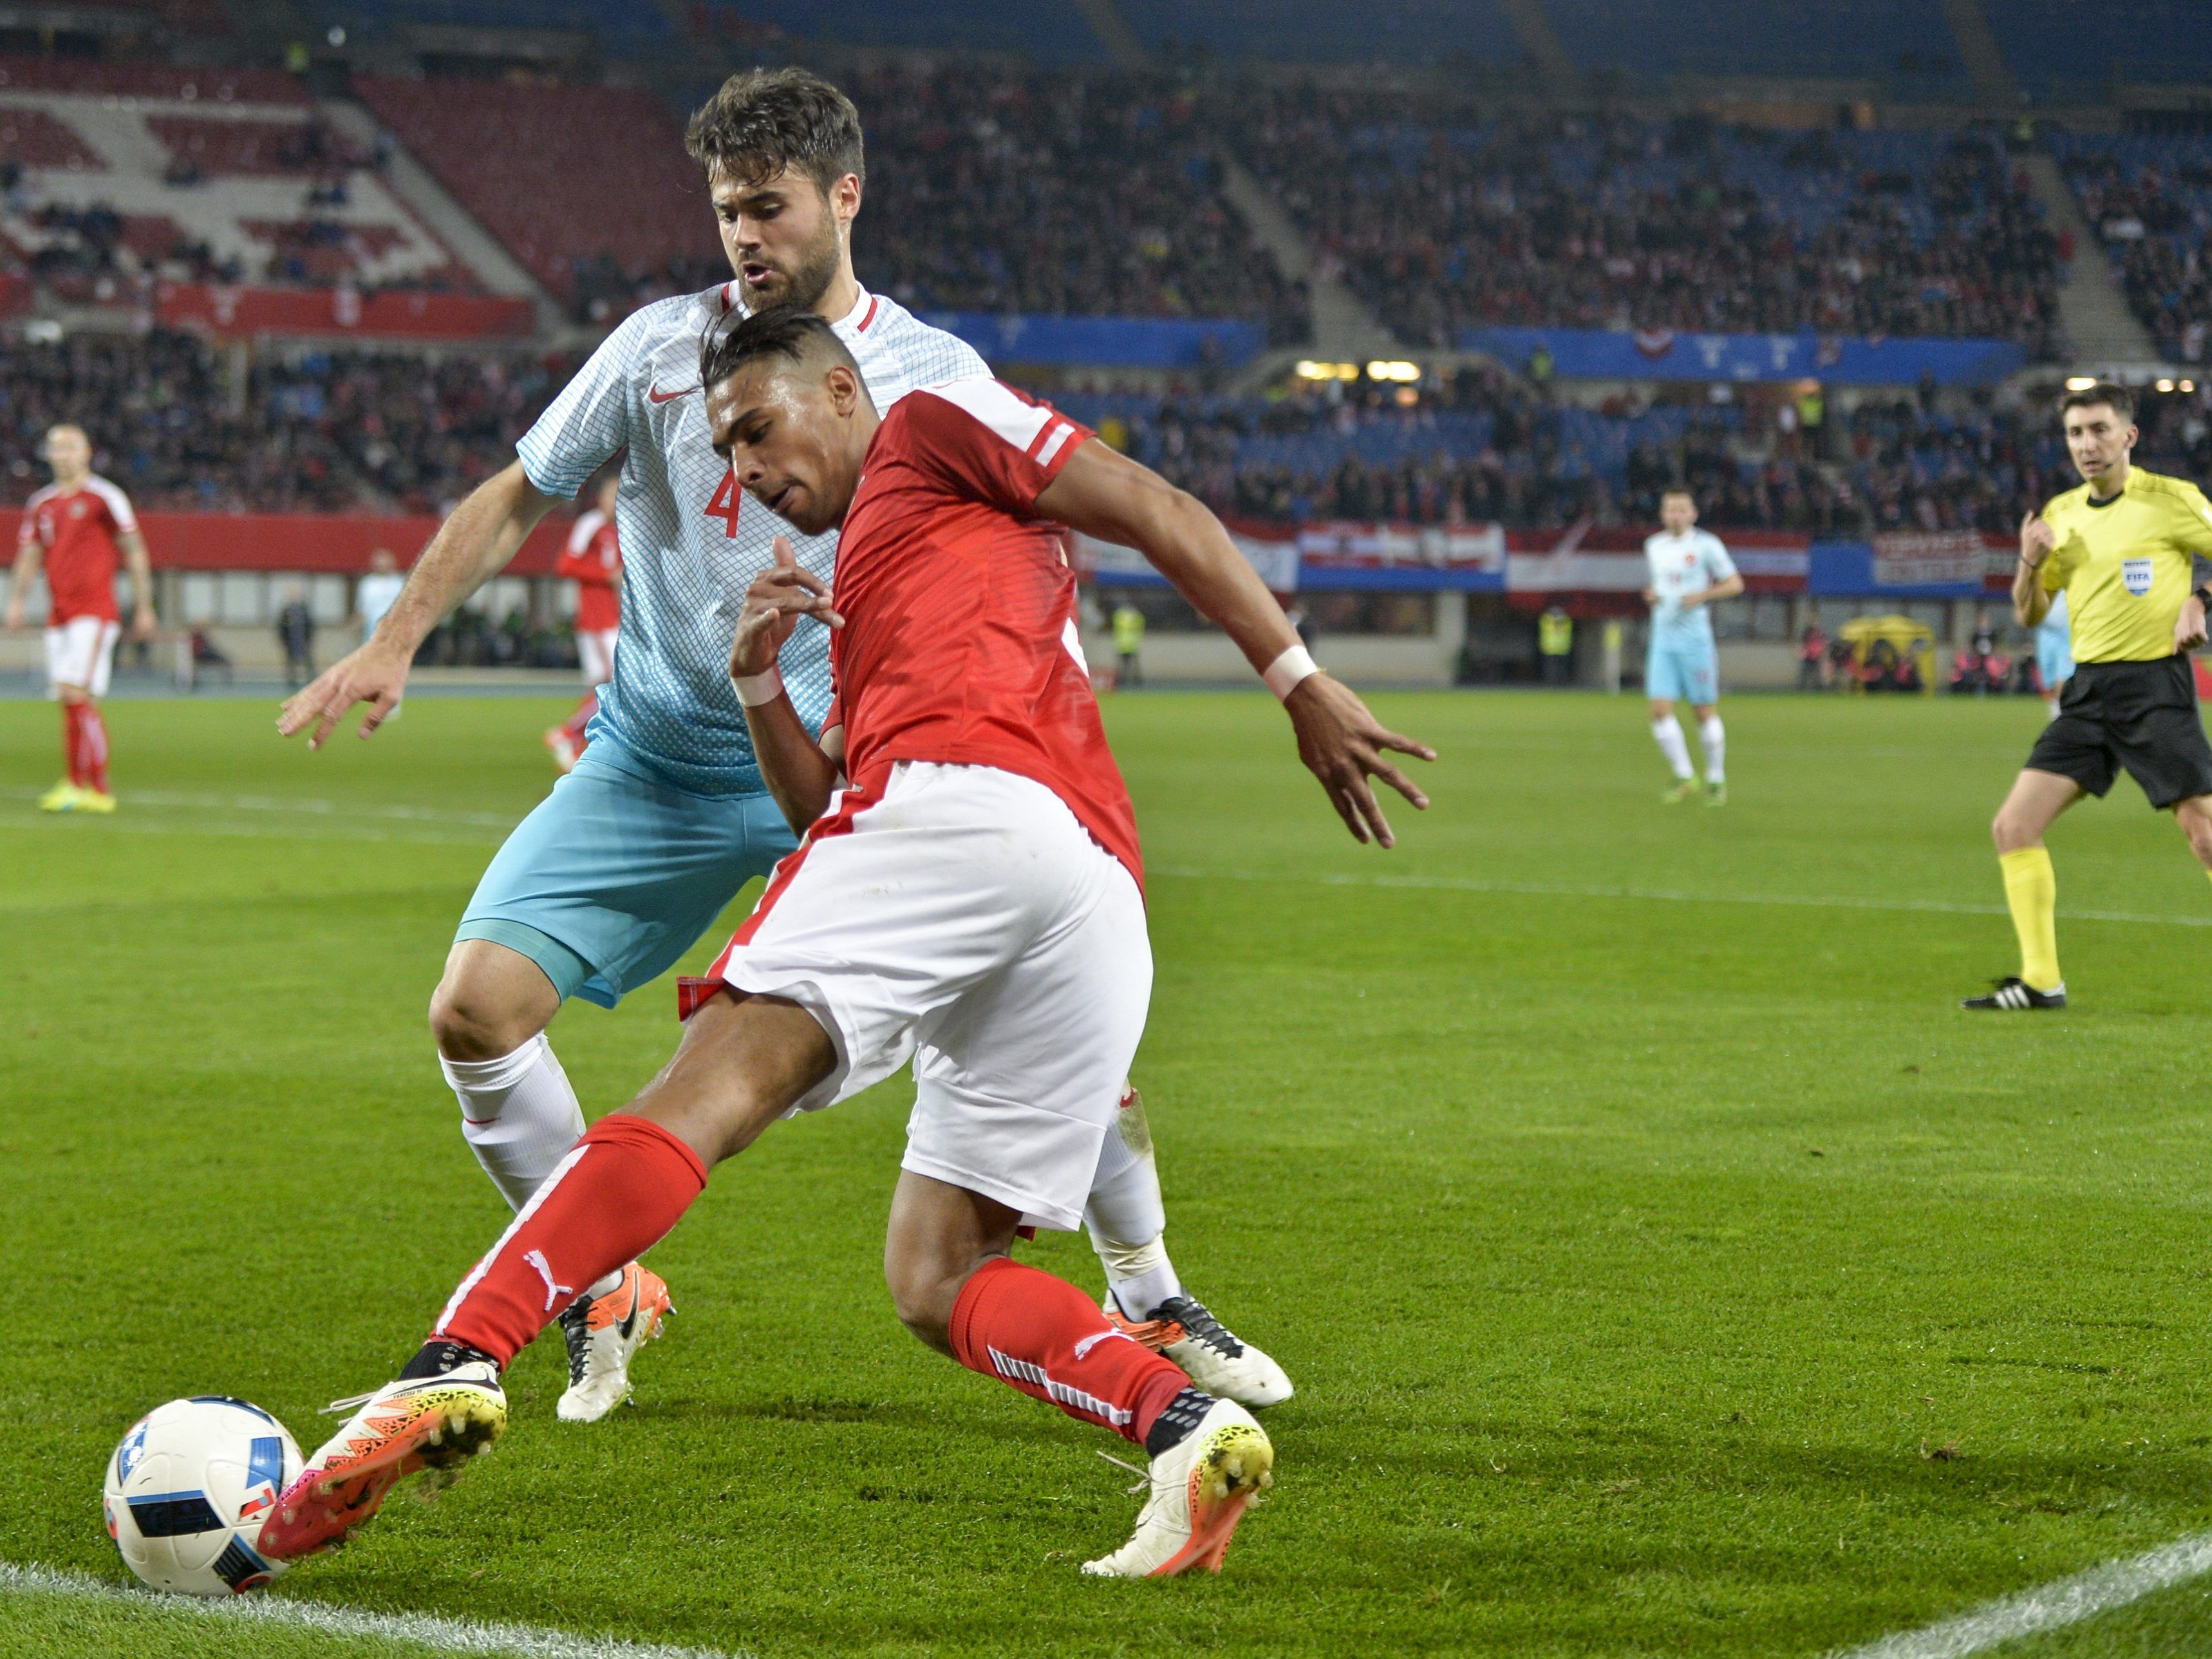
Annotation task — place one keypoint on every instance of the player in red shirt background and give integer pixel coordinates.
(593, 559)
(970, 901)
(78, 528)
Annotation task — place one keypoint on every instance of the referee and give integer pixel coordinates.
(2122, 549)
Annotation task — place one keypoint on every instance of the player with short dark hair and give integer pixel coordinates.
(1689, 571)
(2122, 547)
(664, 817)
(972, 901)
(78, 529)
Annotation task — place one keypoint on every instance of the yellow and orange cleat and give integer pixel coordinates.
(425, 1423)
(1201, 1487)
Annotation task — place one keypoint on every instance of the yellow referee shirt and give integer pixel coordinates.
(2125, 564)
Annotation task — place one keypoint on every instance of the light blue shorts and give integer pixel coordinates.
(617, 873)
(1682, 670)
(2054, 659)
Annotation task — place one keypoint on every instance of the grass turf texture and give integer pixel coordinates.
(1658, 1277)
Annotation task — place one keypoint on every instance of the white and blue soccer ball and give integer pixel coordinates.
(187, 1492)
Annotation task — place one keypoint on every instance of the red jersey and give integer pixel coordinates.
(593, 562)
(960, 644)
(78, 529)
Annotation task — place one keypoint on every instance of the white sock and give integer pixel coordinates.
(1667, 734)
(519, 1113)
(1125, 1217)
(1715, 743)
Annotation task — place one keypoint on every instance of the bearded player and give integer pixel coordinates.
(591, 560)
(972, 903)
(77, 529)
(632, 856)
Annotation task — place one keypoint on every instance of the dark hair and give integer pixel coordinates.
(793, 332)
(762, 121)
(2117, 398)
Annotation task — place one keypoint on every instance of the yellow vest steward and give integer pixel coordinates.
(2125, 566)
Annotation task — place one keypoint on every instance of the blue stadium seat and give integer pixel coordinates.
(1326, 31)
(1854, 39)
(1045, 32)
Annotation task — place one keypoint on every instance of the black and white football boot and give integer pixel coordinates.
(2014, 996)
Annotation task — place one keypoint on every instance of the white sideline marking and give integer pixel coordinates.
(1547, 889)
(2054, 1605)
(432, 1631)
(319, 808)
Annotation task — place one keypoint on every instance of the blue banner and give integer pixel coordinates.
(1592, 353)
(1104, 342)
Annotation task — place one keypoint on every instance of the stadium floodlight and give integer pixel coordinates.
(1380, 369)
(2080, 382)
(2189, 386)
(2166, 385)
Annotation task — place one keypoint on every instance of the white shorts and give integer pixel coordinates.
(967, 920)
(81, 653)
(596, 652)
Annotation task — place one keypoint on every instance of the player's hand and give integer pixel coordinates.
(15, 615)
(1342, 744)
(2189, 626)
(2036, 538)
(142, 625)
(779, 596)
(1692, 601)
(1650, 596)
(375, 674)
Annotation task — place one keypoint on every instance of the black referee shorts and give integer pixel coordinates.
(2141, 715)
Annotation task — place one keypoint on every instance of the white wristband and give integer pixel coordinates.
(1284, 673)
(754, 689)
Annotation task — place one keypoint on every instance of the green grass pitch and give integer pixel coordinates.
(1661, 1274)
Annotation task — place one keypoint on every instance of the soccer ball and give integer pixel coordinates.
(187, 1492)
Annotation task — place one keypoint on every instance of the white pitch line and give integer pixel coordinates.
(2049, 1607)
(431, 1631)
(316, 806)
(1547, 889)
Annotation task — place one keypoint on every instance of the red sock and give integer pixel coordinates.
(617, 1193)
(1044, 1336)
(93, 732)
(73, 742)
(582, 717)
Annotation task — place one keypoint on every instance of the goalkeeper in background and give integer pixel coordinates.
(2122, 547)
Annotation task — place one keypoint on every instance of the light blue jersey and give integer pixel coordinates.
(1682, 565)
(691, 542)
(634, 854)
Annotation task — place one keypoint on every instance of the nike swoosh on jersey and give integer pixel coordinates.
(660, 397)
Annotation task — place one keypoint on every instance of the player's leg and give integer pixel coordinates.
(954, 1286)
(1712, 736)
(2194, 815)
(1662, 685)
(1017, 1085)
(595, 650)
(79, 655)
(2036, 800)
(1126, 1219)
(519, 1112)
(743, 1060)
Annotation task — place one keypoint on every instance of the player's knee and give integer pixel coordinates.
(470, 1023)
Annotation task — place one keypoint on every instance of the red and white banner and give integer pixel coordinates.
(1338, 543)
(336, 543)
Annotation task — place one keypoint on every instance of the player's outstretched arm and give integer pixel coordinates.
(472, 547)
(800, 773)
(1101, 493)
(140, 564)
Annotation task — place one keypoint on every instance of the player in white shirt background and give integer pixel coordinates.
(637, 850)
(1689, 571)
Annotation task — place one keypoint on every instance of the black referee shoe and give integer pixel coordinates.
(2013, 994)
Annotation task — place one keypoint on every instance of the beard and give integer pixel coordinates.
(809, 278)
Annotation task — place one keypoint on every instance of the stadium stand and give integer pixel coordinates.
(1056, 193)
(1631, 224)
(2057, 57)
(344, 431)
(1880, 41)
(2149, 198)
(111, 173)
(561, 175)
(1314, 31)
(1048, 33)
